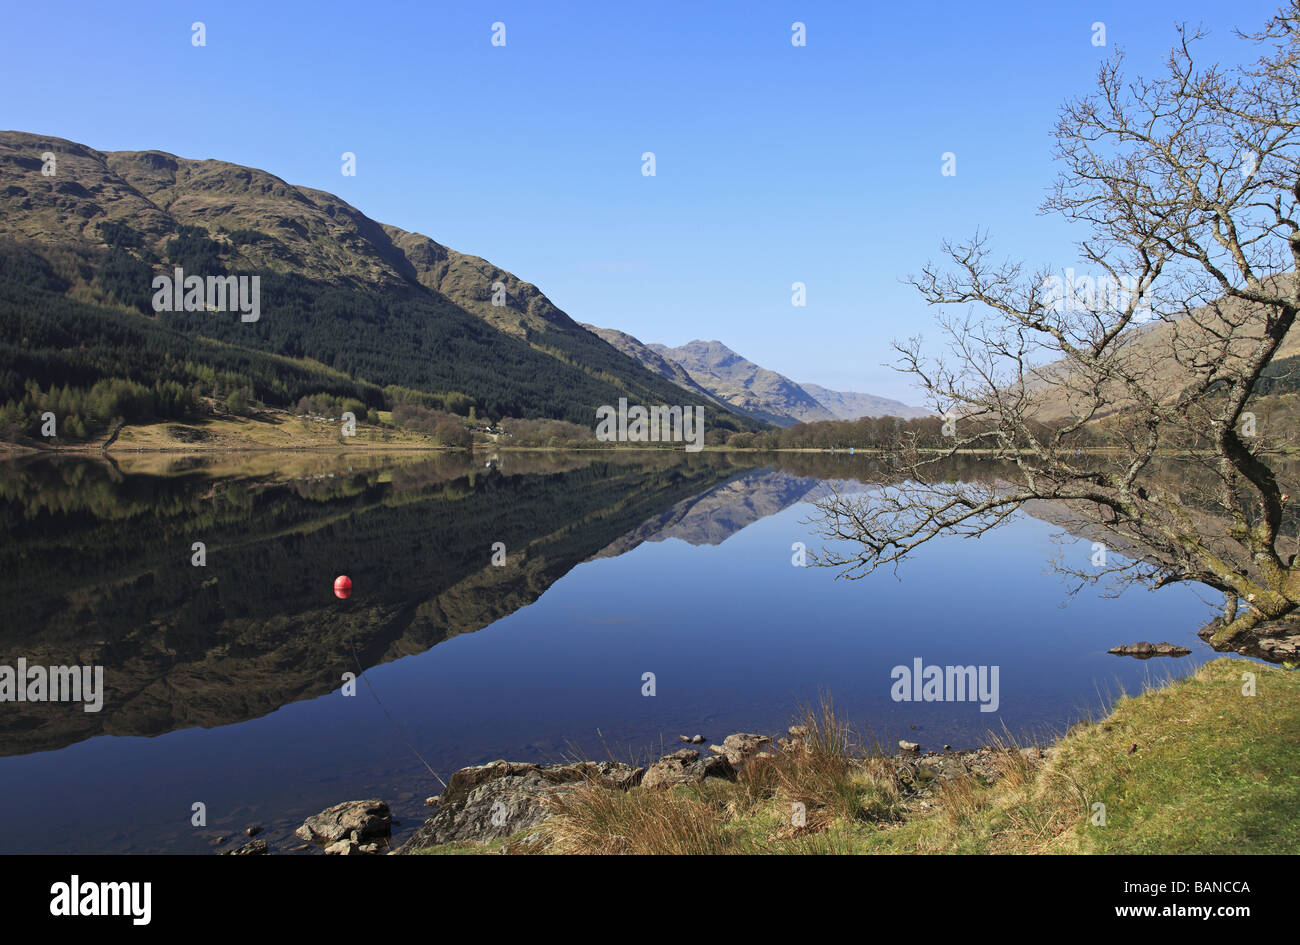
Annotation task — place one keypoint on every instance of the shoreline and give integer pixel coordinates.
(16, 450)
(1160, 773)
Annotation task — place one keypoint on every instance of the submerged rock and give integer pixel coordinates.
(252, 848)
(1145, 650)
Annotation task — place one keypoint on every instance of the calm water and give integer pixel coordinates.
(223, 681)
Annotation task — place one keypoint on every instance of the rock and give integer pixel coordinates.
(1275, 641)
(432, 801)
(300, 848)
(738, 747)
(715, 766)
(921, 773)
(252, 848)
(697, 739)
(253, 831)
(1210, 629)
(483, 802)
(985, 763)
(945, 767)
(685, 767)
(1283, 650)
(352, 820)
(1145, 650)
(341, 848)
(798, 740)
(220, 840)
(908, 746)
(685, 738)
(685, 756)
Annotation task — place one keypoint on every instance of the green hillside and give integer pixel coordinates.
(349, 308)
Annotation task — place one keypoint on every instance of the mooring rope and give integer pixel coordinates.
(361, 673)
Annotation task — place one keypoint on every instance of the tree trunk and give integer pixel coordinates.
(1232, 631)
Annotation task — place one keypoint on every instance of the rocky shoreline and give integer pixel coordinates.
(488, 803)
(502, 799)
(1277, 641)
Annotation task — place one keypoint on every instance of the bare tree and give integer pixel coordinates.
(1187, 187)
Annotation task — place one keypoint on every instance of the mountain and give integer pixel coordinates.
(712, 517)
(1167, 355)
(753, 390)
(649, 358)
(851, 405)
(350, 306)
(711, 369)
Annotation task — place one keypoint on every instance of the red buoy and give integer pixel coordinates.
(342, 586)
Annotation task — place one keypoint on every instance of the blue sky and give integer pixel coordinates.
(775, 164)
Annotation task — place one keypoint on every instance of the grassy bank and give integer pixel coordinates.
(275, 430)
(1193, 767)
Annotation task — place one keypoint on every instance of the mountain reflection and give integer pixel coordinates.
(100, 571)
(98, 559)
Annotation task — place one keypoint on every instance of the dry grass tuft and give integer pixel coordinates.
(595, 819)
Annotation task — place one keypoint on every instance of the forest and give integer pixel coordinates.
(78, 338)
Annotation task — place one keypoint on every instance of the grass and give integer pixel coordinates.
(1214, 771)
(270, 430)
(1193, 767)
